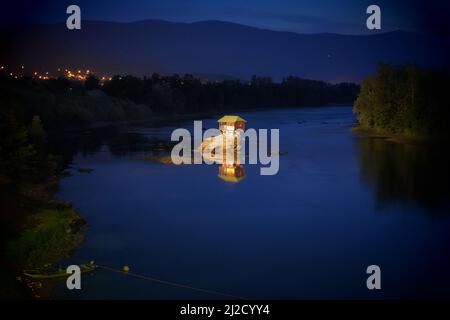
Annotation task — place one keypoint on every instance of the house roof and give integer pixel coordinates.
(231, 119)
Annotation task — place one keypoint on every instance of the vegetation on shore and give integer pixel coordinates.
(406, 102)
(50, 234)
(36, 231)
(62, 102)
(186, 94)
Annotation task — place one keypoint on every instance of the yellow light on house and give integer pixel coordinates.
(79, 71)
(88, 71)
(23, 67)
(230, 170)
(35, 73)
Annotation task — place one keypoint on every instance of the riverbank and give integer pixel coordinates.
(162, 119)
(38, 231)
(406, 139)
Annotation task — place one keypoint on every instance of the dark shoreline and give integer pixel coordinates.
(158, 118)
(418, 140)
(37, 216)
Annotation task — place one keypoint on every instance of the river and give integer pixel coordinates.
(339, 203)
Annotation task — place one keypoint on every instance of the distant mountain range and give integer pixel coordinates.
(216, 50)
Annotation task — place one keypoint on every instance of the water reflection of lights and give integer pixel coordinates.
(231, 173)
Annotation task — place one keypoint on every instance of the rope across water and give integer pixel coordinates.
(169, 283)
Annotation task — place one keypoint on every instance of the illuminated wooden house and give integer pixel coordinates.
(228, 124)
(231, 172)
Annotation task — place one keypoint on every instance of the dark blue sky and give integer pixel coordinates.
(312, 16)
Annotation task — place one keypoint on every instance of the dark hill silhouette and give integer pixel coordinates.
(216, 48)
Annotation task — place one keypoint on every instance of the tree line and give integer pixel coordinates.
(64, 102)
(405, 101)
(187, 94)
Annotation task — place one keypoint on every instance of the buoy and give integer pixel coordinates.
(126, 268)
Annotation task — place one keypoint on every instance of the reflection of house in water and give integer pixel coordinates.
(231, 170)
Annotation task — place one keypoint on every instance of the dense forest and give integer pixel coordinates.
(186, 94)
(405, 101)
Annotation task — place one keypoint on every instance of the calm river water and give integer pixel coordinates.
(339, 203)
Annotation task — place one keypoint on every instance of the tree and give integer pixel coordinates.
(17, 156)
(92, 82)
(37, 134)
(405, 101)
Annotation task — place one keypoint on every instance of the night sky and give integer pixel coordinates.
(344, 16)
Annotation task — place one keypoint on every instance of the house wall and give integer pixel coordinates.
(236, 125)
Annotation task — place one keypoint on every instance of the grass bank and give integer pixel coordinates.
(37, 232)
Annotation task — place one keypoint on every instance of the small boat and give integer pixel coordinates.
(60, 273)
